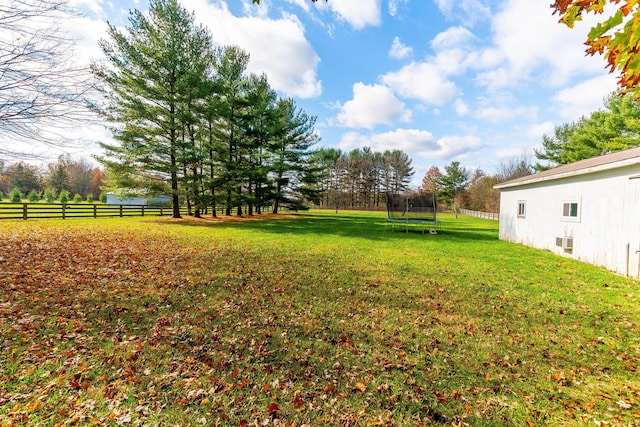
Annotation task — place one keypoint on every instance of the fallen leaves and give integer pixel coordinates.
(135, 324)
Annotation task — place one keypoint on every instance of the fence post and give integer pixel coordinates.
(95, 211)
(120, 211)
(160, 210)
(64, 208)
(142, 210)
(24, 211)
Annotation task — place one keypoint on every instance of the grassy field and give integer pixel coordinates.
(310, 319)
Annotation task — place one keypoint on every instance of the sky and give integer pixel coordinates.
(474, 81)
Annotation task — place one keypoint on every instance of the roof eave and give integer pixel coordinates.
(536, 179)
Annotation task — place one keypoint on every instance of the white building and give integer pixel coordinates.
(131, 198)
(588, 210)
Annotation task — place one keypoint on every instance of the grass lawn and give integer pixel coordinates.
(310, 319)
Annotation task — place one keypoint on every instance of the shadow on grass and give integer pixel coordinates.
(365, 225)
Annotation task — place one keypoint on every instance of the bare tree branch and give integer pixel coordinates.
(43, 91)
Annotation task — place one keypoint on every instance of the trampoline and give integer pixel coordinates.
(419, 212)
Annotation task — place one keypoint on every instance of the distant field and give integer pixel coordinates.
(310, 319)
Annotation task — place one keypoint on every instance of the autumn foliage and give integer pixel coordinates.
(617, 37)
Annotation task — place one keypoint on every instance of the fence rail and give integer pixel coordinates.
(486, 215)
(77, 210)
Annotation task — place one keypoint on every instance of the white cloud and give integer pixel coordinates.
(278, 47)
(95, 6)
(504, 113)
(416, 143)
(399, 50)
(407, 140)
(461, 107)
(456, 145)
(429, 80)
(303, 4)
(583, 98)
(421, 80)
(538, 129)
(469, 11)
(394, 5)
(86, 32)
(451, 38)
(370, 106)
(357, 13)
(538, 44)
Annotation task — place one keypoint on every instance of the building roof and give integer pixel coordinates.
(595, 164)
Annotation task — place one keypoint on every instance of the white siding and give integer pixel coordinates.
(114, 200)
(608, 221)
(136, 200)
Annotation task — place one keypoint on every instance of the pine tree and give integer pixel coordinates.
(454, 180)
(293, 137)
(151, 67)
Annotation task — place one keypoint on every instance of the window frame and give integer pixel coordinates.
(522, 209)
(567, 207)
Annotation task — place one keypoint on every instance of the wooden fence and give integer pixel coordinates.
(77, 210)
(486, 215)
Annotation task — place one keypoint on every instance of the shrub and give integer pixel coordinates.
(103, 197)
(49, 195)
(1, 196)
(33, 196)
(64, 197)
(77, 198)
(90, 198)
(15, 196)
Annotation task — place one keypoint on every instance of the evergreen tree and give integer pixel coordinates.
(49, 195)
(150, 67)
(290, 148)
(231, 104)
(454, 180)
(259, 123)
(615, 128)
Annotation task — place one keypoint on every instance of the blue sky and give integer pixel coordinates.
(474, 81)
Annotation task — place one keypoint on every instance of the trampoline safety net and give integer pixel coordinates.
(421, 207)
(418, 209)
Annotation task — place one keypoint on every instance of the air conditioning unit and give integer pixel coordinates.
(565, 242)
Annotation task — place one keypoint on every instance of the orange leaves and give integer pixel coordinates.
(617, 37)
(360, 387)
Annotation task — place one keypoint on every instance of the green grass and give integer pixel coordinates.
(318, 319)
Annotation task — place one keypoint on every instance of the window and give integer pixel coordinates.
(571, 211)
(521, 209)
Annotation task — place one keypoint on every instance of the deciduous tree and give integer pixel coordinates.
(615, 37)
(21, 176)
(42, 88)
(430, 180)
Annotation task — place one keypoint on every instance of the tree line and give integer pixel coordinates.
(65, 178)
(362, 177)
